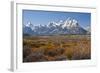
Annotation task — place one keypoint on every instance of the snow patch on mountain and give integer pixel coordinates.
(69, 26)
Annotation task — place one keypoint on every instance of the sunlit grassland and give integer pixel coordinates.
(56, 48)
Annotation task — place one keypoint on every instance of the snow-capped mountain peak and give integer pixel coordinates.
(52, 24)
(70, 23)
(88, 29)
(75, 23)
(29, 24)
(69, 26)
(60, 23)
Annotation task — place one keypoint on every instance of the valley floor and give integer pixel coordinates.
(56, 48)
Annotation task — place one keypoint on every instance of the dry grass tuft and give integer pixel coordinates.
(56, 48)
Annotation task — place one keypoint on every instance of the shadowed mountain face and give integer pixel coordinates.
(70, 26)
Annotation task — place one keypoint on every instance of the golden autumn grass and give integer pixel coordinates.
(56, 48)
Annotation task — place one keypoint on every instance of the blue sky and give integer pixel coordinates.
(37, 17)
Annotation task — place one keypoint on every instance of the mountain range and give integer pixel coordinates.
(69, 26)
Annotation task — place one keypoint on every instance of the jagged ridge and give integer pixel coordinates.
(69, 26)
